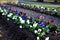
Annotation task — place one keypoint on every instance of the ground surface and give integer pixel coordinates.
(11, 31)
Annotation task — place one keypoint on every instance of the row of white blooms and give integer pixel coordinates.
(23, 21)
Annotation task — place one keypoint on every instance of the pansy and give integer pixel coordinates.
(40, 30)
(31, 26)
(43, 24)
(4, 10)
(11, 11)
(17, 11)
(55, 10)
(31, 19)
(20, 26)
(22, 3)
(35, 31)
(10, 14)
(47, 38)
(38, 38)
(1, 10)
(3, 13)
(28, 21)
(24, 17)
(22, 21)
(42, 7)
(43, 33)
(35, 24)
(8, 19)
(14, 17)
(20, 18)
(41, 17)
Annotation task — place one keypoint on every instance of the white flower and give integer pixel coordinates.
(28, 21)
(47, 38)
(22, 3)
(55, 10)
(20, 18)
(42, 7)
(22, 21)
(5, 10)
(1, 10)
(31, 26)
(3, 13)
(39, 30)
(35, 31)
(10, 14)
(35, 24)
(20, 26)
(7, 18)
(43, 33)
(38, 38)
(14, 17)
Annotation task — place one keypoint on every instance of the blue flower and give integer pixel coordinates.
(31, 19)
(11, 11)
(24, 17)
(43, 24)
(17, 11)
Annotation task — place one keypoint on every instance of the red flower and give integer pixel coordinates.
(21, 12)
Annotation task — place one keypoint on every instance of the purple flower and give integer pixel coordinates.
(43, 24)
(24, 17)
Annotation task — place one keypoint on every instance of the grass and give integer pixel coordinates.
(47, 6)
